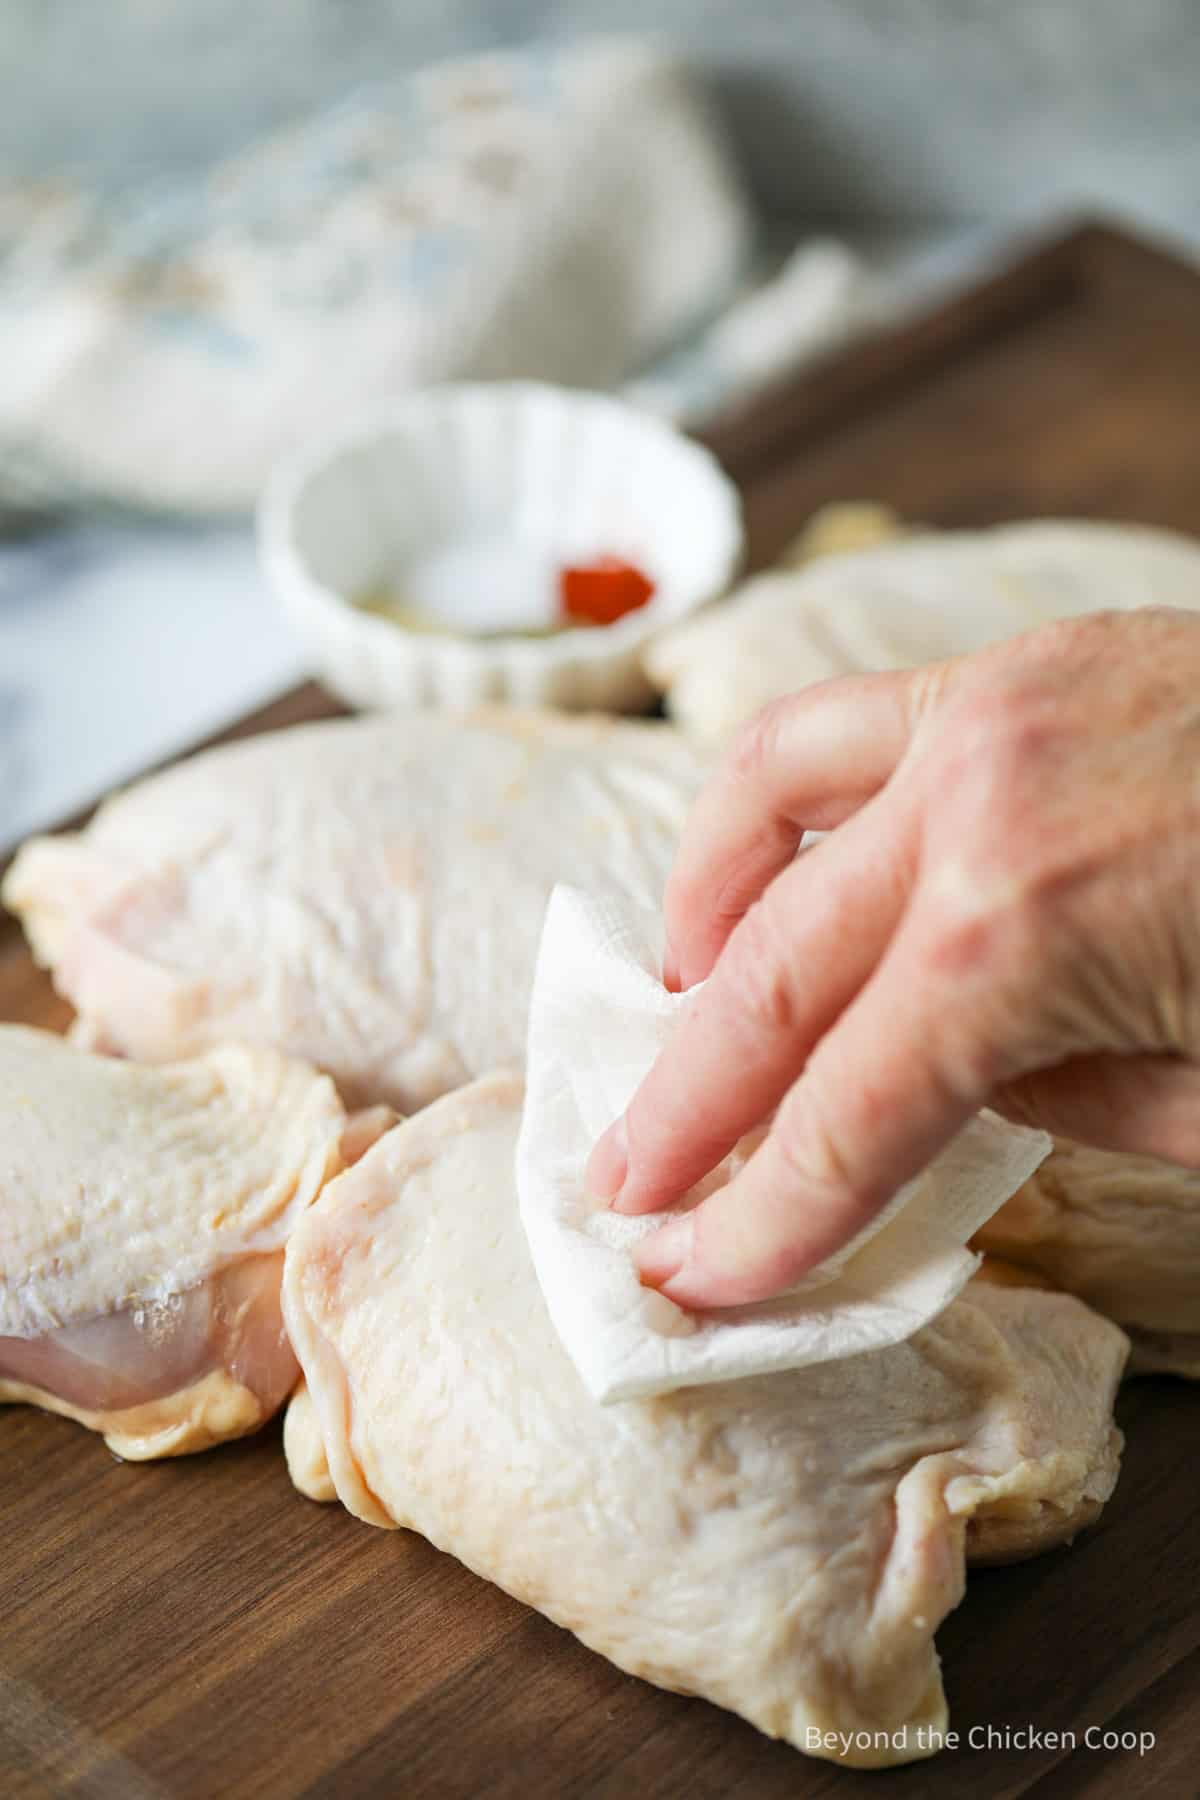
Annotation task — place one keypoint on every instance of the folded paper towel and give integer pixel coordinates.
(599, 1016)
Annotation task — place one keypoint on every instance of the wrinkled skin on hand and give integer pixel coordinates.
(1006, 912)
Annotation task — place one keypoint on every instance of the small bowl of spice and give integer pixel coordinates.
(497, 541)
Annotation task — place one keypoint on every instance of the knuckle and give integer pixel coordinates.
(822, 1192)
(757, 744)
(1087, 636)
(808, 1145)
(993, 956)
(999, 878)
(998, 736)
(984, 920)
(762, 968)
(742, 883)
(1008, 909)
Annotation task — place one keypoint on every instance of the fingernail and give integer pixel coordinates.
(608, 1164)
(659, 1258)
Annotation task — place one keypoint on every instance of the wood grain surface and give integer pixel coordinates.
(194, 1628)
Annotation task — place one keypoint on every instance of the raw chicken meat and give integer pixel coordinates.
(1122, 1232)
(785, 1546)
(366, 894)
(917, 600)
(304, 1447)
(144, 1217)
(843, 526)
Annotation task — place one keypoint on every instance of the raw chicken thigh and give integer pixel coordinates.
(913, 601)
(785, 1546)
(1122, 1232)
(144, 1217)
(367, 894)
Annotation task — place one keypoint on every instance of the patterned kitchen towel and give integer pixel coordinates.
(570, 214)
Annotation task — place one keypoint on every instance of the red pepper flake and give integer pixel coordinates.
(600, 592)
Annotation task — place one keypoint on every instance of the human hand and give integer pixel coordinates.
(1006, 912)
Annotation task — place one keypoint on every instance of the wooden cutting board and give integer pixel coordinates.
(196, 1629)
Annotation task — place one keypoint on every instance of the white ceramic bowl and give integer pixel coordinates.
(567, 475)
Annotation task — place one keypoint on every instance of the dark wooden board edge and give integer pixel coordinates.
(769, 429)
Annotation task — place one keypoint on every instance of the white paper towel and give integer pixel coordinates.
(599, 1016)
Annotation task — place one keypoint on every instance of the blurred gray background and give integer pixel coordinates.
(927, 133)
(902, 112)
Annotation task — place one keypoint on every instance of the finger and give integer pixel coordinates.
(1145, 1105)
(805, 763)
(881, 1095)
(790, 967)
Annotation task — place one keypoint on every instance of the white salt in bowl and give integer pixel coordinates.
(461, 503)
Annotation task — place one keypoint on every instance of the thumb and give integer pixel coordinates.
(1145, 1105)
